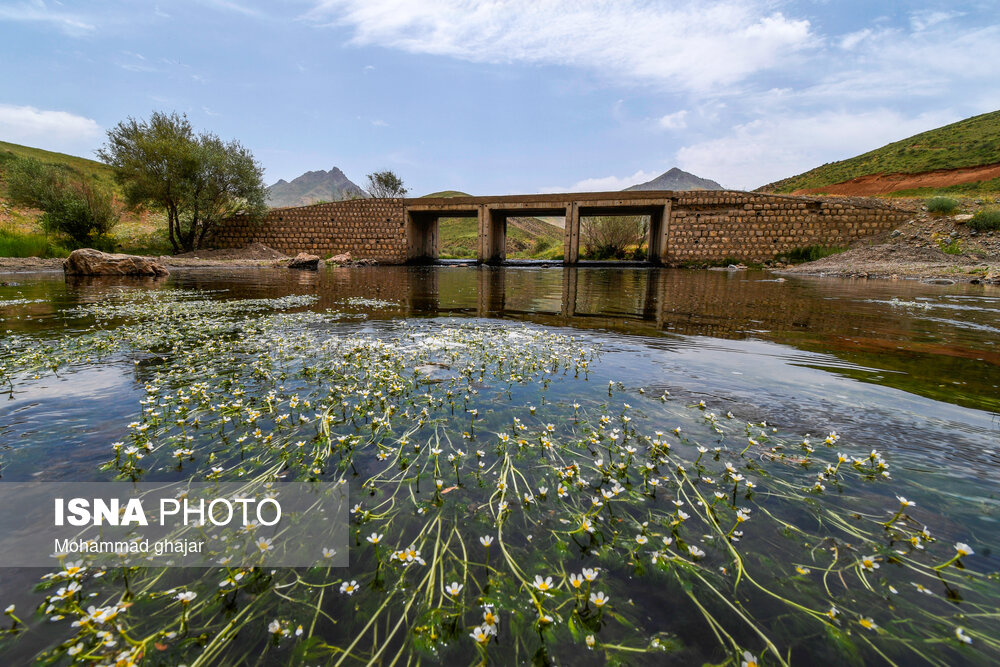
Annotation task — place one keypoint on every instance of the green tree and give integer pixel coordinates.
(198, 180)
(74, 205)
(385, 185)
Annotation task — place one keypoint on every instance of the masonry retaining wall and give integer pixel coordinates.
(704, 226)
(367, 228)
(716, 226)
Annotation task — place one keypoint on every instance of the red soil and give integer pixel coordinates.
(881, 184)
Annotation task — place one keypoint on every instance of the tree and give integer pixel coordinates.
(385, 185)
(71, 204)
(199, 181)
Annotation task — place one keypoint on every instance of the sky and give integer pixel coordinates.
(506, 96)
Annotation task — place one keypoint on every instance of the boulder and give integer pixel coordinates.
(304, 261)
(963, 217)
(90, 262)
(342, 258)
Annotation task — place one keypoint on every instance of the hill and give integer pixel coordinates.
(74, 165)
(448, 193)
(950, 158)
(677, 179)
(312, 187)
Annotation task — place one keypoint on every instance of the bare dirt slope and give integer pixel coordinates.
(881, 184)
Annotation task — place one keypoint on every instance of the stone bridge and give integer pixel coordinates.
(684, 227)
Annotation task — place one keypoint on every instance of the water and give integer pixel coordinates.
(908, 369)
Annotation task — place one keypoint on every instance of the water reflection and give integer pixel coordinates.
(934, 341)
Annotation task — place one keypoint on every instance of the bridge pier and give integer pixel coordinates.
(571, 234)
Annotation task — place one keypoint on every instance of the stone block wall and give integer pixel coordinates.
(367, 228)
(744, 226)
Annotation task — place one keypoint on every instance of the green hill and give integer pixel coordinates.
(72, 164)
(968, 143)
(447, 193)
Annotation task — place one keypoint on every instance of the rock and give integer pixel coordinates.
(963, 217)
(304, 261)
(342, 258)
(939, 281)
(90, 262)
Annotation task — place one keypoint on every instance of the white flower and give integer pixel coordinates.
(963, 549)
(590, 574)
(453, 588)
(868, 562)
(76, 649)
(695, 551)
(590, 641)
(329, 553)
(481, 634)
(543, 584)
(486, 540)
(186, 597)
(349, 587)
(274, 627)
(962, 637)
(375, 538)
(748, 660)
(904, 502)
(641, 539)
(9, 610)
(598, 599)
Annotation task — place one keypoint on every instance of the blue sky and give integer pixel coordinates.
(504, 96)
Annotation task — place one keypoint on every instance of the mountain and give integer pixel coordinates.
(963, 157)
(312, 187)
(676, 179)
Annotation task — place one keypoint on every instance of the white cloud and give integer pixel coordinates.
(692, 45)
(52, 130)
(778, 146)
(850, 40)
(923, 20)
(674, 121)
(604, 183)
(36, 11)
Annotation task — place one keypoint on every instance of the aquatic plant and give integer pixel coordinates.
(513, 500)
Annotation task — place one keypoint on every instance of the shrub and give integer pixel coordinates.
(810, 254)
(943, 205)
(986, 220)
(80, 208)
(951, 246)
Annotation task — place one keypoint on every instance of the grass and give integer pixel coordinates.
(943, 205)
(18, 244)
(968, 143)
(986, 220)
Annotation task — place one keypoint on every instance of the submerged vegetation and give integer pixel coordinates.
(513, 501)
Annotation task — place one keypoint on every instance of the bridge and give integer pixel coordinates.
(684, 227)
(491, 214)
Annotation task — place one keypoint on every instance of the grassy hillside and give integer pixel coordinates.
(72, 164)
(968, 143)
(448, 193)
(21, 232)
